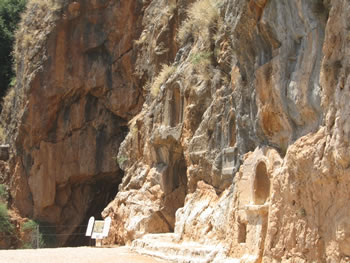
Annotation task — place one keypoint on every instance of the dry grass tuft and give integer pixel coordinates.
(202, 17)
(161, 79)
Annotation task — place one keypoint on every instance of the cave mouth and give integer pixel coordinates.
(103, 191)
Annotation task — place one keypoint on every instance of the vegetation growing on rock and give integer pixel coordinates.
(10, 12)
(5, 224)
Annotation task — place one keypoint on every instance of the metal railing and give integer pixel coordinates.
(45, 236)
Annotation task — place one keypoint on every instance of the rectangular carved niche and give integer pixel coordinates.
(175, 107)
(242, 232)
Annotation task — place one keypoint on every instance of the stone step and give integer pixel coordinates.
(164, 246)
(164, 237)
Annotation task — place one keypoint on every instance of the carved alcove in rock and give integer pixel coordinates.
(251, 218)
(171, 168)
(232, 129)
(174, 107)
(257, 213)
(229, 153)
(168, 155)
(261, 185)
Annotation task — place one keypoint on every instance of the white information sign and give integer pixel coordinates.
(90, 226)
(97, 232)
(106, 227)
(98, 229)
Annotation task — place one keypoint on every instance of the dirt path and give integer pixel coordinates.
(75, 255)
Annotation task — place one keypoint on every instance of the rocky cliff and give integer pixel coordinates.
(224, 122)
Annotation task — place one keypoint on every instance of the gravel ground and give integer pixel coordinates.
(75, 255)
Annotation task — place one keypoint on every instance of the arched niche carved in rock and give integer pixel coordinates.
(261, 186)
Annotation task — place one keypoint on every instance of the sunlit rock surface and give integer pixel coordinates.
(225, 122)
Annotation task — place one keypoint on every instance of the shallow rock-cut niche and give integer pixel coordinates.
(173, 184)
(261, 184)
(174, 106)
(242, 233)
(232, 129)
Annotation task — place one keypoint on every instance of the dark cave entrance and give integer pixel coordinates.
(97, 180)
(103, 191)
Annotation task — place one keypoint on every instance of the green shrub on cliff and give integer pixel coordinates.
(43, 234)
(10, 11)
(5, 224)
(201, 58)
(3, 193)
(30, 225)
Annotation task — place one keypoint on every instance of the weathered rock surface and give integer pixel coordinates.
(254, 110)
(240, 140)
(68, 113)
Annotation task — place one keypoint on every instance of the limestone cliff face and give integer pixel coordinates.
(75, 93)
(234, 112)
(246, 130)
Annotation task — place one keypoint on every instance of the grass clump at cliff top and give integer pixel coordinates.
(202, 17)
(37, 22)
(35, 25)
